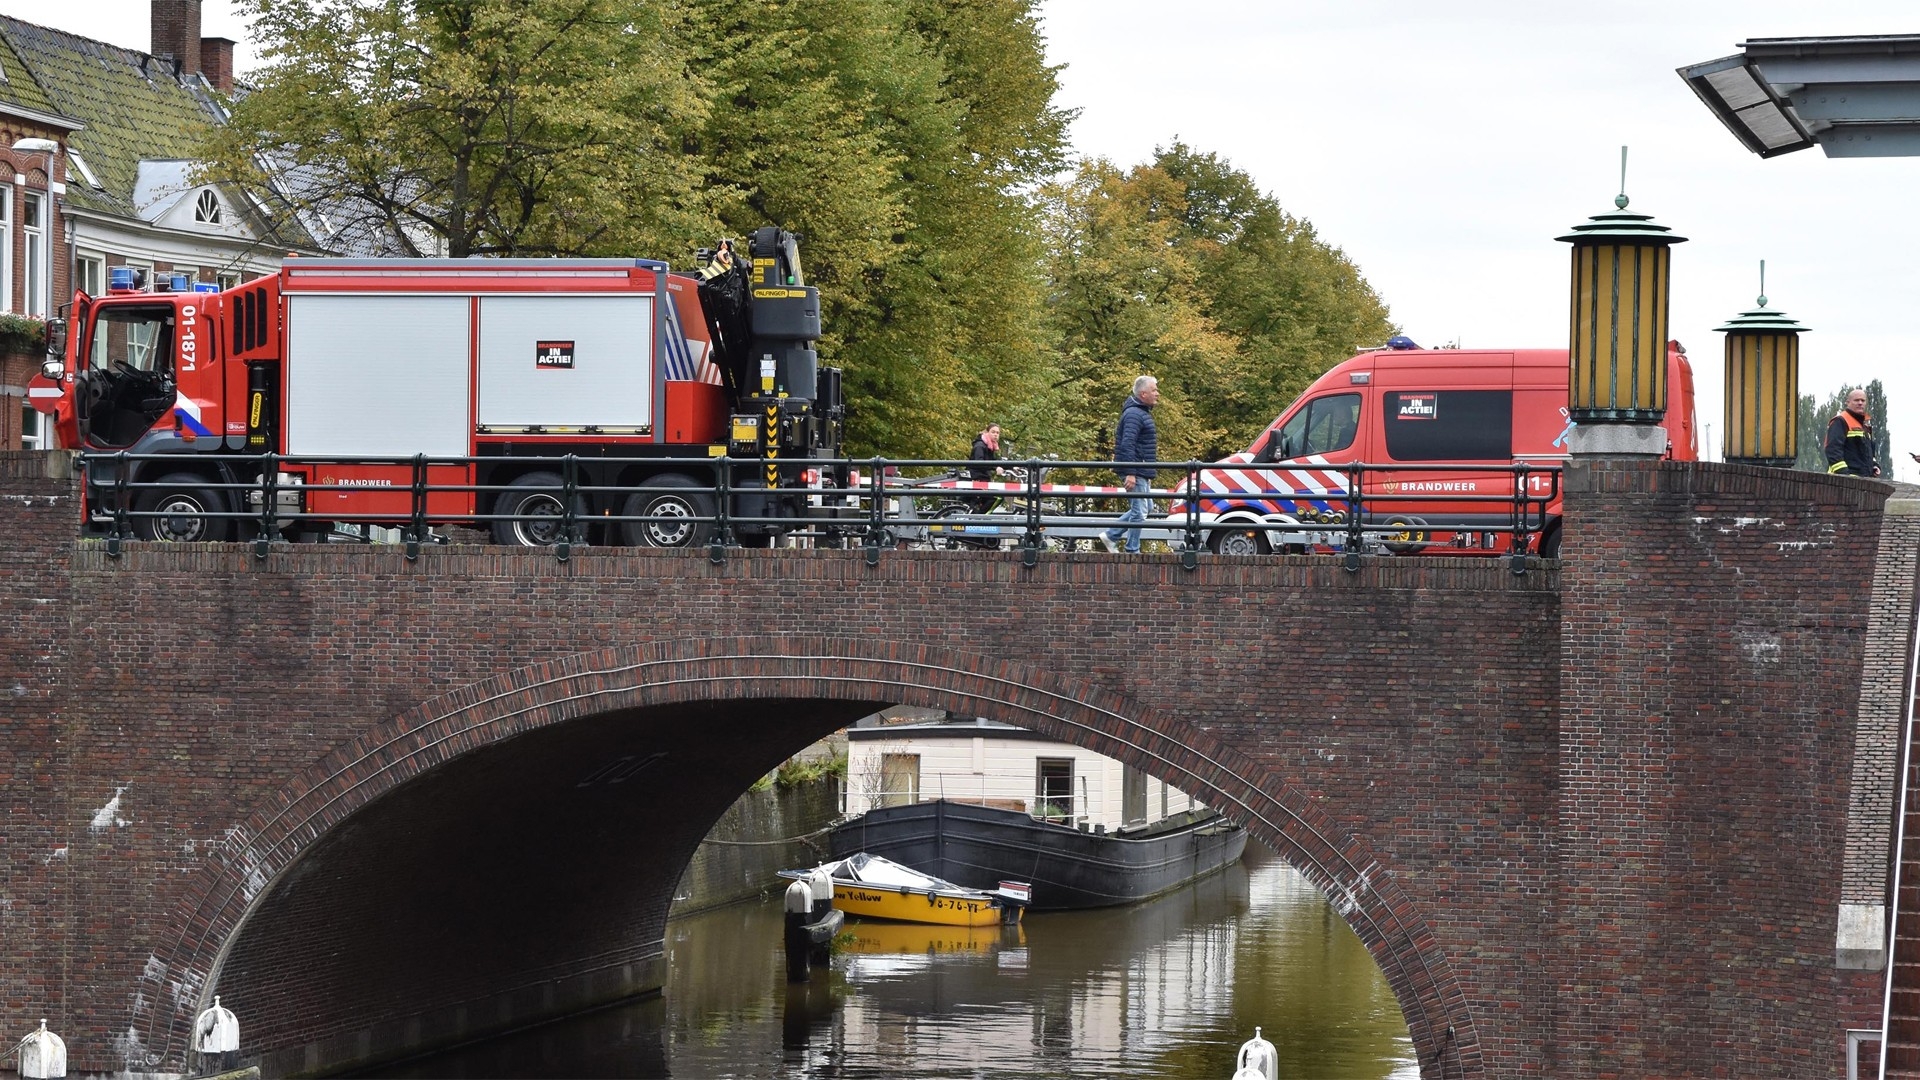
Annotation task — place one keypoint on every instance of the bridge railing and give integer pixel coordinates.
(874, 503)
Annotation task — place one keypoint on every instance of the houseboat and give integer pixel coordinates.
(977, 803)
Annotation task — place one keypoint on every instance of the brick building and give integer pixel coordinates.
(99, 142)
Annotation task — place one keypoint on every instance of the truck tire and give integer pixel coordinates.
(686, 507)
(184, 505)
(1239, 541)
(530, 512)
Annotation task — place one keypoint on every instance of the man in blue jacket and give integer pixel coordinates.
(1135, 440)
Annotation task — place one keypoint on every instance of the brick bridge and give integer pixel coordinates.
(1597, 818)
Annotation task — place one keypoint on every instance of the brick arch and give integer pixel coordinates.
(1358, 880)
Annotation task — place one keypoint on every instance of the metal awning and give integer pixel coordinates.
(1851, 96)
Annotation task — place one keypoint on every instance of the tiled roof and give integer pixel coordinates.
(133, 106)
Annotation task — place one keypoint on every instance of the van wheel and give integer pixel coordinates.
(1238, 542)
(680, 511)
(531, 512)
(1549, 545)
(182, 507)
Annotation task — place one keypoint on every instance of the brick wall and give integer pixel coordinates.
(761, 834)
(1713, 624)
(318, 783)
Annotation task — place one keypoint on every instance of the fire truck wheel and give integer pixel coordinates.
(530, 511)
(181, 503)
(680, 512)
(1238, 542)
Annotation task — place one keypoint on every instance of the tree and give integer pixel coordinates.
(1297, 305)
(900, 138)
(1184, 269)
(468, 127)
(1813, 423)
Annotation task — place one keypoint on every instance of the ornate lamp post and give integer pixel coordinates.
(1763, 385)
(1617, 352)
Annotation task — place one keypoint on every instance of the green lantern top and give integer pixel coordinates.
(1620, 225)
(1760, 320)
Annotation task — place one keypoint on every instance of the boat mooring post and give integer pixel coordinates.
(1258, 1060)
(43, 1055)
(799, 908)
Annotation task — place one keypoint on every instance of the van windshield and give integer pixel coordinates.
(1326, 425)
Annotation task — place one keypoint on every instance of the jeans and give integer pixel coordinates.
(1136, 511)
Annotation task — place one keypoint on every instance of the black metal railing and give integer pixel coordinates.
(873, 503)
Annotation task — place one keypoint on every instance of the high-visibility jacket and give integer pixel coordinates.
(1850, 449)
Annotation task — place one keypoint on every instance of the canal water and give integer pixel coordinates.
(1168, 989)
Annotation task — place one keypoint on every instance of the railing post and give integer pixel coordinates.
(1030, 539)
(569, 491)
(1356, 536)
(121, 530)
(269, 509)
(417, 503)
(1522, 529)
(1190, 558)
(723, 516)
(876, 509)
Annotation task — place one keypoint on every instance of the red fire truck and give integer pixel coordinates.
(328, 386)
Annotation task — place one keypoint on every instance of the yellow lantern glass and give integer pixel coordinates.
(1617, 343)
(1763, 388)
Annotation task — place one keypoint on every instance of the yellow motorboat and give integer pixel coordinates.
(875, 888)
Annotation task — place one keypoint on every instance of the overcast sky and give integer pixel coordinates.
(1443, 146)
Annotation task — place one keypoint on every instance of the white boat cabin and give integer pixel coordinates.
(994, 764)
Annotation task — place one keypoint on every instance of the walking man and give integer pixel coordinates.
(1135, 440)
(1850, 447)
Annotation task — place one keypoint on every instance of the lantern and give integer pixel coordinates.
(1763, 385)
(1617, 351)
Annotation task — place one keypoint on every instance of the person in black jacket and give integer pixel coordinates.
(1850, 446)
(1135, 440)
(986, 451)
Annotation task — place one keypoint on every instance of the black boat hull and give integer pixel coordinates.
(981, 846)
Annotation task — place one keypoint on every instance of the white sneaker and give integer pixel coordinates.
(1112, 545)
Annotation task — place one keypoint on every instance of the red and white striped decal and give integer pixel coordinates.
(1272, 482)
(1014, 486)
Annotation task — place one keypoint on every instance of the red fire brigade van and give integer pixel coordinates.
(1436, 434)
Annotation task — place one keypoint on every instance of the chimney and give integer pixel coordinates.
(216, 62)
(176, 34)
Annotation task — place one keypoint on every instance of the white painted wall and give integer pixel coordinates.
(983, 767)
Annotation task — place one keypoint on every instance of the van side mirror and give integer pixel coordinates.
(52, 368)
(56, 339)
(1269, 447)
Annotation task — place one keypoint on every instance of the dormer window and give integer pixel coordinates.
(207, 210)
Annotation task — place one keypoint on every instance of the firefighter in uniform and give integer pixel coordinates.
(1850, 448)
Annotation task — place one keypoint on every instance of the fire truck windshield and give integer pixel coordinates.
(139, 337)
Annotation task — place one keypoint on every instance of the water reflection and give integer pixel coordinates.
(1168, 989)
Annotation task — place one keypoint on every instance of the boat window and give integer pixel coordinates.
(1133, 795)
(899, 779)
(1053, 789)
